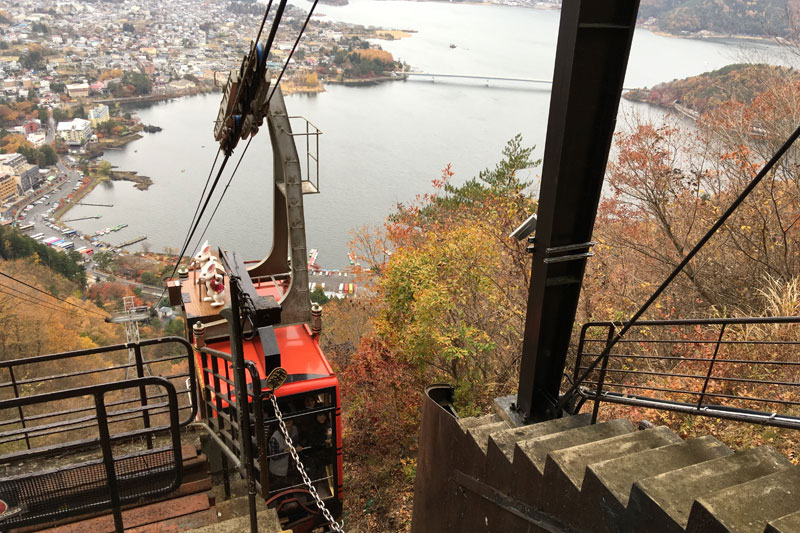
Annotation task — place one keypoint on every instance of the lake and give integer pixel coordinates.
(381, 144)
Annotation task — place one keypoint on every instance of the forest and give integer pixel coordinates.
(451, 286)
(699, 94)
(759, 18)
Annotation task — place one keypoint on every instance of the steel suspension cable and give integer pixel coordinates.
(200, 216)
(291, 53)
(196, 218)
(230, 179)
(48, 294)
(34, 301)
(277, 83)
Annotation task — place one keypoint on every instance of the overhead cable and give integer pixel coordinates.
(35, 302)
(50, 295)
(196, 218)
(277, 84)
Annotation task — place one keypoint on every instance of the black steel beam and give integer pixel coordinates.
(594, 42)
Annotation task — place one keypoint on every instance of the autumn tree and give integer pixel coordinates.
(447, 299)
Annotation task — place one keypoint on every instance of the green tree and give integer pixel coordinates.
(47, 156)
(148, 278)
(318, 296)
(104, 259)
(141, 82)
(104, 168)
(128, 27)
(174, 328)
(60, 115)
(32, 60)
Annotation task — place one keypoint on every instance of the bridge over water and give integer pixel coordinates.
(434, 75)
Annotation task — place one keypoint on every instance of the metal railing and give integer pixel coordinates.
(220, 416)
(37, 425)
(743, 369)
(40, 492)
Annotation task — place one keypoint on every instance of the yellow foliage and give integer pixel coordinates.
(110, 74)
(11, 143)
(371, 53)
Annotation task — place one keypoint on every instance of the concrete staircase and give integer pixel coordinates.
(572, 476)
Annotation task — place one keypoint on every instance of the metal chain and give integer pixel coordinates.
(306, 480)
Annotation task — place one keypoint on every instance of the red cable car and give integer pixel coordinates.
(272, 328)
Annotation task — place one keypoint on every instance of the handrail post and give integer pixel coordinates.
(226, 480)
(232, 314)
(711, 366)
(108, 459)
(198, 334)
(137, 353)
(258, 426)
(19, 407)
(602, 377)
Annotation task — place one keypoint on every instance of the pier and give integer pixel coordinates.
(76, 219)
(132, 241)
(95, 205)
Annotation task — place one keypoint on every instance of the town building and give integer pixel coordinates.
(75, 132)
(98, 115)
(78, 90)
(8, 188)
(12, 163)
(28, 178)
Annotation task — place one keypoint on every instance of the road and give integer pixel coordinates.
(55, 193)
(51, 128)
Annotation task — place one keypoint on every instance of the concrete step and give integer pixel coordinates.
(504, 441)
(530, 455)
(475, 421)
(239, 506)
(537, 449)
(607, 485)
(747, 507)
(787, 524)
(656, 507)
(267, 523)
(481, 433)
(565, 469)
(500, 453)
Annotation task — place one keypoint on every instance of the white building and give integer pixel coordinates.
(75, 132)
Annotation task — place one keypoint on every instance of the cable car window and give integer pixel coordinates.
(309, 422)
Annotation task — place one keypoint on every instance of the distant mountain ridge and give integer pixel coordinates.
(757, 18)
(702, 93)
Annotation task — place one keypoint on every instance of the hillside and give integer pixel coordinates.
(758, 18)
(703, 93)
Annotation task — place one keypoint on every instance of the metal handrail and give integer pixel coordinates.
(37, 495)
(611, 377)
(20, 366)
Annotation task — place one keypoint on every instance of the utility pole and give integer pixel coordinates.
(131, 317)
